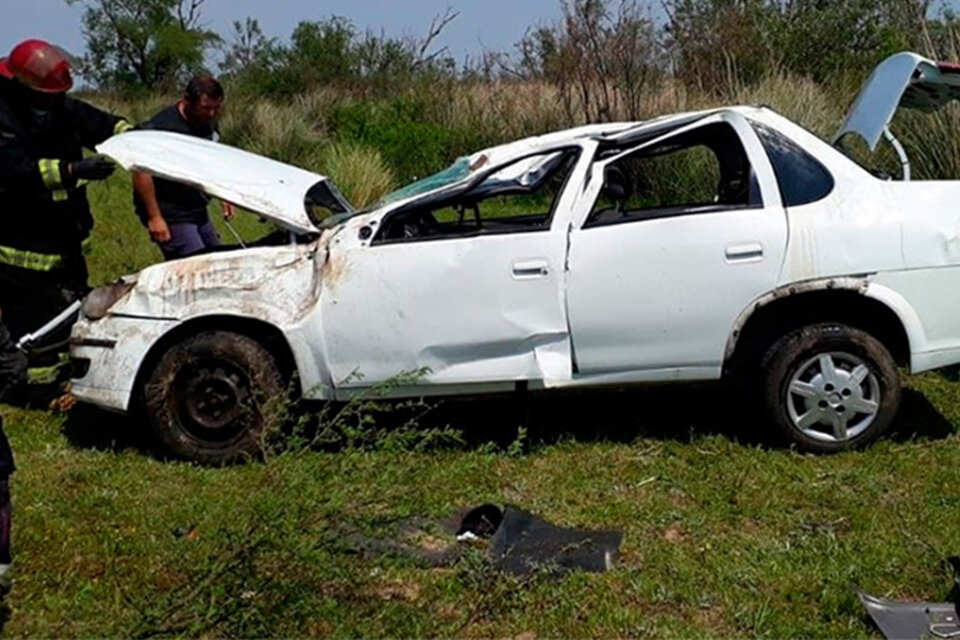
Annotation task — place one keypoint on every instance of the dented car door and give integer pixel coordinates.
(464, 291)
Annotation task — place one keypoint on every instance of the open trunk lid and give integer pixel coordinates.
(274, 190)
(903, 80)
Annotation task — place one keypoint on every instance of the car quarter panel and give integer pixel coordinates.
(925, 301)
(854, 230)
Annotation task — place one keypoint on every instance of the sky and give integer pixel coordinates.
(482, 24)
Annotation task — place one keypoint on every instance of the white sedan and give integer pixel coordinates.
(729, 242)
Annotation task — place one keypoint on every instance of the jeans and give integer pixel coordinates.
(189, 238)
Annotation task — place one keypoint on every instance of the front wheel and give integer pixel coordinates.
(205, 397)
(830, 387)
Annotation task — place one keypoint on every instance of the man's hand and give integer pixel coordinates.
(159, 230)
(92, 168)
(229, 211)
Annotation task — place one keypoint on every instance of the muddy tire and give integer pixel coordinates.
(829, 387)
(204, 398)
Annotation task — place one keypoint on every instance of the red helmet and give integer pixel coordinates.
(38, 65)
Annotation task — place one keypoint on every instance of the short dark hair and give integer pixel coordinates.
(203, 85)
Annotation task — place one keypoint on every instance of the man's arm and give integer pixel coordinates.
(143, 187)
(94, 125)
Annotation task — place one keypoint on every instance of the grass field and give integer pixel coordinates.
(723, 535)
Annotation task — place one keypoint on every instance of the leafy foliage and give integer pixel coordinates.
(715, 42)
(143, 45)
(413, 146)
(331, 52)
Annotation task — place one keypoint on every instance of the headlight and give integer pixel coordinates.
(98, 302)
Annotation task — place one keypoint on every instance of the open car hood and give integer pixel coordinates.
(272, 189)
(903, 80)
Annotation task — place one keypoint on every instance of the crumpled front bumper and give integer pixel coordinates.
(107, 354)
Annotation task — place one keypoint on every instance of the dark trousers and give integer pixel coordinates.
(29, 299)
(13, 370)
(189, 238)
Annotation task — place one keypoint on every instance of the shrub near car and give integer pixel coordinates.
(724, 242)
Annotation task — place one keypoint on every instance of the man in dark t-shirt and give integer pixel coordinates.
(175, 213)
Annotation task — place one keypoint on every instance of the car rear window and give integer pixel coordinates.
(801, 177)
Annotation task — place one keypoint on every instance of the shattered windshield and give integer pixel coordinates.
(451, 175)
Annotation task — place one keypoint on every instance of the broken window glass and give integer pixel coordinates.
(519, 197)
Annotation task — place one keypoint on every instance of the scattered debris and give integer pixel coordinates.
(517, 542)
(524, 543)
(914, 620)
(64, 403)
(189, 532)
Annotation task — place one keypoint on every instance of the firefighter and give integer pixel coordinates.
(43, 177)
(13, 370)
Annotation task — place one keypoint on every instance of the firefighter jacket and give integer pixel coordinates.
(44, 217)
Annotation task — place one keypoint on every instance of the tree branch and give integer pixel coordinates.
(437, 25)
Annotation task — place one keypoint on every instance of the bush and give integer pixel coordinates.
(411, 145)
(279, 131)
(358, 171)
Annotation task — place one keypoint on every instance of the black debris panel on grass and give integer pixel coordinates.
(517, 542)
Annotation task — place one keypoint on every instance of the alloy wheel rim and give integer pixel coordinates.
(833, 397)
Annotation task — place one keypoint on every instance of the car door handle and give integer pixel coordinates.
(523, 269)
(748, 252)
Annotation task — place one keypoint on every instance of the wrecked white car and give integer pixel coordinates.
(729, 242)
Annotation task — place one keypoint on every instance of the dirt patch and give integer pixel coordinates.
(674, 535)
(397, 590)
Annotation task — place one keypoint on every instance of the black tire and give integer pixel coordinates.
(790, 394)
(204, 397)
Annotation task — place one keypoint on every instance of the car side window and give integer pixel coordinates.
(800, 176)
(698, 171)
(519, 197)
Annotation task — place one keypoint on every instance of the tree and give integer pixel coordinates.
(249, 49)
(143, 44)
(716, 44)
(601, 57)
(332, 52)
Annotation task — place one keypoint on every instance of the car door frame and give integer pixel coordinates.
(556, 358)
(771, 200)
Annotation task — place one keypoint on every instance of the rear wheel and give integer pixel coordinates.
(829, 387)
(205, 396)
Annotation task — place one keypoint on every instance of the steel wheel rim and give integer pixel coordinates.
(199, 388)
(833, 397)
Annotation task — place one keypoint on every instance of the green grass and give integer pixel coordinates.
(722, 536)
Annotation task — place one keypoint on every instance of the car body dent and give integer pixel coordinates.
(112, 373)
(400, 305)
(279, 286)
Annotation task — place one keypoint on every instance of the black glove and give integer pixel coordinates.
(92, 168)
